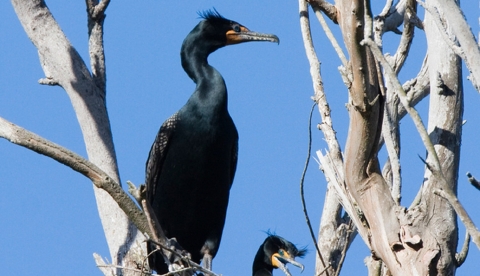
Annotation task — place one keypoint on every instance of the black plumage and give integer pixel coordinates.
(192, 162)
(276, 252)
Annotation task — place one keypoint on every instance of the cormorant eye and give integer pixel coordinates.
(280, 252)
(236, 28)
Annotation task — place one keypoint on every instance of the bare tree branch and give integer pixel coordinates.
(390, 129)
(391, 17)
(100, 179)
(416, 89)
(462, 255)
(330, 36)
(403, 99)
(329, 9)
(468, 50)
(403, 48)
(473, 180)
(462, 213)
(96, 17)
(331, 238)
(362, 174)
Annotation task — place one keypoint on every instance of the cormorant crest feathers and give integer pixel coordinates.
(211, 14)
(300, 252)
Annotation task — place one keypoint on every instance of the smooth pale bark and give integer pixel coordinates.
(62, 65)
(459, 28)
(445, 130)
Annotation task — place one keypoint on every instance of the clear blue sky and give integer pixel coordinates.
(49, 222)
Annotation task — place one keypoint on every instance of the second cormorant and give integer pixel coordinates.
(276, 252)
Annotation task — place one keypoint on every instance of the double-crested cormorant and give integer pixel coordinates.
(192, 162)
(276, 252)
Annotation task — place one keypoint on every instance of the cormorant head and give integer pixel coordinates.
(216, 31)
(277, 252)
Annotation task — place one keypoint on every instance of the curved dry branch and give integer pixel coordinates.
(100, 179)
(461, 256)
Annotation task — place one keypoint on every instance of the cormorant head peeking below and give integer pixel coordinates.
(276, 252)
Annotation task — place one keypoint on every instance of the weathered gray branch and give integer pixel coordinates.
(417, 120)
(100, 179)
(63, 66)
(462, 213)
(468, 48)
(461, 256)
(332, 240)
(96, 17)
(473, 181)
(416, 89)
(327, 8)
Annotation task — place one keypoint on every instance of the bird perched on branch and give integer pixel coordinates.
(192, 162)
(276, 252)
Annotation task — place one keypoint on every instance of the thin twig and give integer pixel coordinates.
(302, 181)
(330, 36)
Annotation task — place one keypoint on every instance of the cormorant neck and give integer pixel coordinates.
(211, 88)
(260, 267)
(194, 53)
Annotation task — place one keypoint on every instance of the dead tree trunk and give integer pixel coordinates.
(421, 239)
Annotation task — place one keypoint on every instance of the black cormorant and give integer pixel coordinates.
(192, 162)
(276, 252)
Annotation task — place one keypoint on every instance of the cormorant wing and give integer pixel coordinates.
(157, 154)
